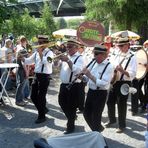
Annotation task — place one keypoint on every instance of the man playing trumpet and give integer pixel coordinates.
(68, 98)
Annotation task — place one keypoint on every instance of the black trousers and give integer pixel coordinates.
(94, 106)
(81, 100)
(134, 97)
(141, 95)
(68, 100)
(38, 94)
(145, 97)
(0, 85)
(114, 97)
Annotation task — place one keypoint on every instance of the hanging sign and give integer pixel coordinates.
(90, 33)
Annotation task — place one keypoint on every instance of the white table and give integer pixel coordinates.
(3, 84)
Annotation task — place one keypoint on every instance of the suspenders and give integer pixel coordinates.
(70, 78)
(43, 64)
(126, 66)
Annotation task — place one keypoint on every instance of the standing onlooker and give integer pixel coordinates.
(125, 71)
(100, 75)
(68, 98)
(22, 77)
(22, 73)
(7, 56)
(43, 70)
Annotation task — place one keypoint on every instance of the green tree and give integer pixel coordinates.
(4, 11)
(20, 24)
(61, 23)
(74, 23)
(47, 24)
(127, 14)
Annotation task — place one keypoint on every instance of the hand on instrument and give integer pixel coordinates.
(86, 72)
(80, 75)
(64, 58)
(120, 69)
(40, 50)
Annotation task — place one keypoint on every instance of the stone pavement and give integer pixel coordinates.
(18, 130)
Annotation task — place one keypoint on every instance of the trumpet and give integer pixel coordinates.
(50, 60)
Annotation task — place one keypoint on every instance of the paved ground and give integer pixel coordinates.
(17, 128)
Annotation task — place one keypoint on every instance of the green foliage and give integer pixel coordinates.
(74, 23)
(47, 22)
(61, 23)
(24, 24)
(126, 14)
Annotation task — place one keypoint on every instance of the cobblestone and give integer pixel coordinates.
(18, 130)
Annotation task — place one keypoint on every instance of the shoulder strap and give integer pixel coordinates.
(43, 64)
(104, 70)
(126, 66)
(70, 78)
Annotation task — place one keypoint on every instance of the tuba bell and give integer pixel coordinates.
(125, 89)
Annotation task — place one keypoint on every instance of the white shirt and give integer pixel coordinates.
(96, 71)
(4, 51)
(131, 68)
(35, 58)
(76, 68)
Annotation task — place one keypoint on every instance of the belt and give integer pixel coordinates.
(69, 83)
(42, 74)
(98, 89)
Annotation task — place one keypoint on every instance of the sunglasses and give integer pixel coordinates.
(70, 46)
(121, 45)
(96, 53)
(41, 42)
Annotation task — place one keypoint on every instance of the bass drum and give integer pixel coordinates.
(142, 60)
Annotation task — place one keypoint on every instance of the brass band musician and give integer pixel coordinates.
(43, 70)
(144, 81)
(68, 98)
(99, 74)
(125, 71)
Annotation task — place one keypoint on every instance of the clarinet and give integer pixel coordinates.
(71, 83)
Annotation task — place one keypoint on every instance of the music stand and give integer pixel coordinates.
(3, 84)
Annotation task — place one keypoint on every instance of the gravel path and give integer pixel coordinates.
(17, 128)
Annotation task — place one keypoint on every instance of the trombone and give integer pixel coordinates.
(50, 44)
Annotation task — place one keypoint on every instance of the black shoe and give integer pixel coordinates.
(68, 131)
(109, 124)
(40, 120)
